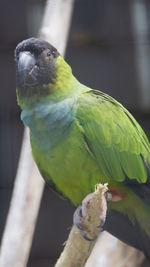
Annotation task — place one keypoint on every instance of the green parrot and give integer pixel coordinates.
(81, 137)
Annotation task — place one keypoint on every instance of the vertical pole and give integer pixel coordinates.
(28, 186)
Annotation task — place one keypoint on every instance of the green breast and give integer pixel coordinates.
(69, 165)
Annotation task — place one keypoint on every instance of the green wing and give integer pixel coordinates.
(113, 137)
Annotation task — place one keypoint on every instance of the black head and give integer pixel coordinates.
(35, 63)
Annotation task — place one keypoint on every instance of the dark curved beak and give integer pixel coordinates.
(26, 69)
(26, 61)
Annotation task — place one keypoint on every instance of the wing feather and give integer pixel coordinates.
(117, 141)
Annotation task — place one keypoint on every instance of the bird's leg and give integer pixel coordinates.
(81, 213)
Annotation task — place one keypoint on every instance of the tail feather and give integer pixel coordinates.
(122, 227)
(141, 190)
(132, 235)
(119, 224)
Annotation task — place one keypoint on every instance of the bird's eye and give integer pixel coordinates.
(48, 53)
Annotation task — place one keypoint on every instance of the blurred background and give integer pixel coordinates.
(108, 49)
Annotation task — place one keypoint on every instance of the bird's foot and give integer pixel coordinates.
(81, 213)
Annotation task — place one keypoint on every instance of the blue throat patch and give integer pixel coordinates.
(50, 123)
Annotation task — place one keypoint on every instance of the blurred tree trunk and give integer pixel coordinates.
(28, 186)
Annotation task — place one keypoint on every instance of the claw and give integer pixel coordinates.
(108, 196)
(77, 219)
(86, 237)
(81, 213)
(100, 226)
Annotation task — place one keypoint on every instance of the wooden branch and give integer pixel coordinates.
(28, 186)
(26, 197)
(108, 250)
(56, 23)
(78, 249)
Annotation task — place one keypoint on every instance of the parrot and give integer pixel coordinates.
(81, 137)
